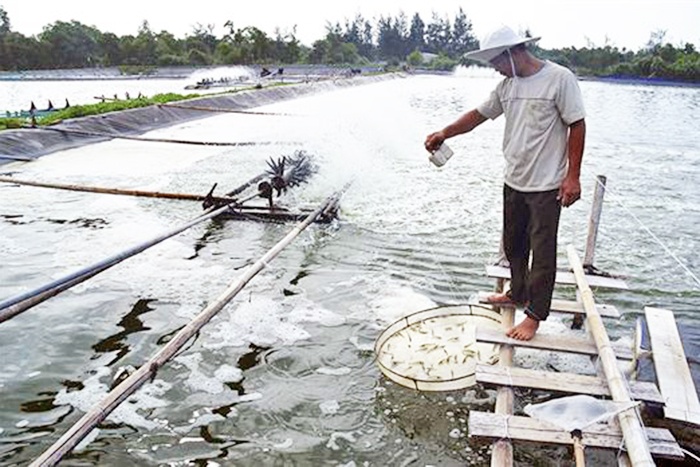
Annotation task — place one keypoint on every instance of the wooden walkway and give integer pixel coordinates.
(675, 390)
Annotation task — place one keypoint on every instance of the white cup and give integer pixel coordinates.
(441, 155)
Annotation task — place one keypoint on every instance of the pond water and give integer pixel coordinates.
(284, 375)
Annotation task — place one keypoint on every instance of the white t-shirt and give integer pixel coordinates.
(538, 110)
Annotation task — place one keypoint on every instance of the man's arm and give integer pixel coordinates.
(463, 124)
(570, 190)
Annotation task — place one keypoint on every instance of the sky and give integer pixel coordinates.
(560, 23)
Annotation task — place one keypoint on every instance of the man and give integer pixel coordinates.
(543, 147)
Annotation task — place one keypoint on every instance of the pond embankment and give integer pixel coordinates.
(30, 143)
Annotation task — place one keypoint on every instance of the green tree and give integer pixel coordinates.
(462, 38)
(110, 45)
(169, 50)
(71, 45)
(438, 35)
(415, 58)
(416, 34)
(4, 31)
(5, 27)
(359, 33)
(286, 48)
(368, 50)
(318, 52)
(392, 35)
(198, 46)
(333, 49)
(21, 53)
(144, 47)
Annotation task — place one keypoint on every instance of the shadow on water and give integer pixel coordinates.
(131, 324)
(44, 416)
(245, 362)
(214, 229)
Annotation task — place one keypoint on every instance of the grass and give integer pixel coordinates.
(77, 111)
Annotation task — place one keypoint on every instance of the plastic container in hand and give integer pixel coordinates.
(441, 155)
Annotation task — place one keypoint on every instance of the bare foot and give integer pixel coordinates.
(499, 299)
(525, 330)
(502, 299)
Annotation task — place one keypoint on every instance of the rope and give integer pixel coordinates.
(691, 455)
(223, 110)
(463, 296)
(506, 427)
(166, 140)
(651, 234)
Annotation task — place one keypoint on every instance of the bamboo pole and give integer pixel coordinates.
(13, 306)
(99, 412)
(632, 429)
(116, 191)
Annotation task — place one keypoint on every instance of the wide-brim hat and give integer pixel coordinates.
(497, 42)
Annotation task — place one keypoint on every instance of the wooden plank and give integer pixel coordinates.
(565, 277)
(561, 343)
(563, 306)
(495, 426)
(561, 382)
(672, 372)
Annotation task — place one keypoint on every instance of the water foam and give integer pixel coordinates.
(199, 381)
(230, 72)
(260, 321)
(95, 389)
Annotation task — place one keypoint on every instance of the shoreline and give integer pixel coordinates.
(171, 72)
(640, 81)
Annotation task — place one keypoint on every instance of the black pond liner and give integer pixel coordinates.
(29, 144)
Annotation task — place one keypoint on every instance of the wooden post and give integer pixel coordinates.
(594, 220)
(502, 453)
(593, 223)
(579, 454)
(632, 429)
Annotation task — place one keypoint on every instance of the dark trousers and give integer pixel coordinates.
(530, 224)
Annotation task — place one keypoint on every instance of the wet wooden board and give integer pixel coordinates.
(565, 277)
(562, 343)
(564, 306)
(672, 372)
(562, 382)
(488, 425)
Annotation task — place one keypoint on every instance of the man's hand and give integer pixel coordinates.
(569, 191)
(434, 141)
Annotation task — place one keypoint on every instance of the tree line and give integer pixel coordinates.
(438, 44)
